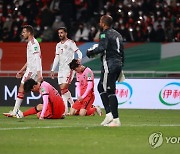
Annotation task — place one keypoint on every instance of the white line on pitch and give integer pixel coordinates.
(128, 125)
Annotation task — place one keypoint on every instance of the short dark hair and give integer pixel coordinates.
(62, 28)
(74, 64)
(107, 20)
(29, 28)
(28, 85)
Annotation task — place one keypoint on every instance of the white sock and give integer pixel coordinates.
(65, 104)
(69, 97)
(17, 104)
(109, 114)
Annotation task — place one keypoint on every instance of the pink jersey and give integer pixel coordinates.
(85, 82)
(49, 94)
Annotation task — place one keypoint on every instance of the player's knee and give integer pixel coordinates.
(82, 112)
(100, 88)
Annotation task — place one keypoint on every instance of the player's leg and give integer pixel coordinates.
(20, 95)
(58, 108)
(27, 75)
(33, 110)
(75, 108)
(102, 88)
(19, 98)
(64, 81)
(66, 95)
(111, 84)
(87, 104)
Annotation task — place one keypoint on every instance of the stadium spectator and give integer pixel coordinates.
(47, 34)
(82, 33)
(112, 57)
(83, 106)
(43, 13)
(64, 54)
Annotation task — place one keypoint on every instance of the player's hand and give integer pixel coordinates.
(19, 74)
(52, 74)
(41, 118)
(40, 78)
(80, 98)
(79, 61)
(89, 53)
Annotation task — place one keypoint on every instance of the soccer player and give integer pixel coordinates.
(85, 90)
(32, 67)
(65, 51)
(53, 105)
(112, 56)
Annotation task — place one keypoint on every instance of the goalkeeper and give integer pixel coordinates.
(112, 57)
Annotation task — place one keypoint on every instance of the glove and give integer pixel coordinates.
(90, 53)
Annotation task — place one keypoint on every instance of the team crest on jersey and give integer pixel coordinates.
(89, 76)
(35, 48)
(102, 36)
(42, 90)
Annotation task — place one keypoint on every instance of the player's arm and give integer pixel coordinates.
(90, 84)
(37, 55)
(55, 63)
(78, 88)
(79, 53)
(76, 49)
(20, 72)
(102, 46)
(45, 98)
(38, 65)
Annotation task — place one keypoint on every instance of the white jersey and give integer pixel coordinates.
(65, 54)
(34, 62)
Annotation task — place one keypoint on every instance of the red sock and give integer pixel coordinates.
(30, 111)
(91, 111)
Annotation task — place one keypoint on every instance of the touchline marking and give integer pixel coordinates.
(129, 125)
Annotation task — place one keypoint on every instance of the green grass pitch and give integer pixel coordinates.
(84, 135)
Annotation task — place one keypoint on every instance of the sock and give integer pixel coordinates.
(109, 114)
(19, 100)
(30, 111)
(105, 101)
(69, 97)
(65, 103)
(113, 105)
(91, 111)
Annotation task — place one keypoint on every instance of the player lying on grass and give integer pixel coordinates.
(53, 106)
(85, 90)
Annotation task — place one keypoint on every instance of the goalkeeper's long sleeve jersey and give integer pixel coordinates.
(111, 48)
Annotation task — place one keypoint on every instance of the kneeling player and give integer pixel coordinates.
(53, 105)
(85, 89)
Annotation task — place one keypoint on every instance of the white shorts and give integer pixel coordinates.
(65, 77)
(29, 75)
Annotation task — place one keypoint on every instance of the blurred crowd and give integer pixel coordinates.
(136, 20)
